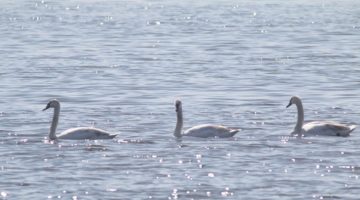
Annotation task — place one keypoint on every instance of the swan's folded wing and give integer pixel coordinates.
(209, 130)
(329, 128)
(85, 133)
(340, 129)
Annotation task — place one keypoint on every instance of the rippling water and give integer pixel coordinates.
(120, 65)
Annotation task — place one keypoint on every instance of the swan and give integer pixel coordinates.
(201, 131)
(79, 133)
(329, 128)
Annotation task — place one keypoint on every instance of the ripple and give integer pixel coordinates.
(120, 66)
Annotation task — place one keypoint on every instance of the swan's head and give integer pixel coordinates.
(293, 100)
(178, 105)
(52, 104)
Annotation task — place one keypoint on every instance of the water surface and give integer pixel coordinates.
(120, 65)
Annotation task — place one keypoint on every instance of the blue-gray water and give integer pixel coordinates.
(120, 65)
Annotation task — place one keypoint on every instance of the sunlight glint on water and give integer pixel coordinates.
(120, 66)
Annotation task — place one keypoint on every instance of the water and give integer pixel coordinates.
(120, 65)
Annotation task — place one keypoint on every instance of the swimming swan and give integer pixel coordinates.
(79, 133)
(202, 131)
(317, 127)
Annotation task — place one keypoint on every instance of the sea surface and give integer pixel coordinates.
(120, 66)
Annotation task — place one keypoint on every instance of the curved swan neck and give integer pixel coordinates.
(54, 123)
(179, 123)
(300, 116)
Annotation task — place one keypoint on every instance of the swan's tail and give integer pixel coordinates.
(347, 132)
(352, 128)
(233, 132)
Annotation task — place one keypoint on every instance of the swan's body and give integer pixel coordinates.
(209, 130)
(79, 133)
(328, 128)
(202, 131)
(85, 133)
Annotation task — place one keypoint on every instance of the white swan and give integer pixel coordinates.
(79, 133)
(202, 131)
(317, 127)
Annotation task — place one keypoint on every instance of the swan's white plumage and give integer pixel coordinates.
(85, 133)
(209, 130)
(328, 128)
(79, 133)
(202, 131)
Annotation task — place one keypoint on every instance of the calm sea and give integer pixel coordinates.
(120, 65)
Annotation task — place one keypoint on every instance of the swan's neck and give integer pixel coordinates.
(300, 117)
(179, 123)
(54, 123)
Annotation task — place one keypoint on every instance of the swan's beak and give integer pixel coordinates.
(47, 107)
(289, 104)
